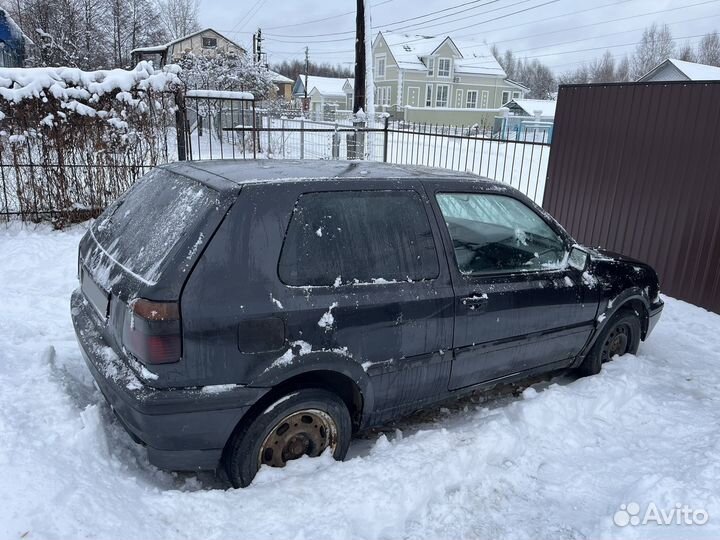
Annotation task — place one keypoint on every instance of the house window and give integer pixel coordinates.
(516, 95)
(444, 67)
(382, 95)
(209, 42)
(485, 98)
(380, 66)
(431, 67)
(505, 97)
(428, 95)
(458, 97)
(471, 99)
(441, 99)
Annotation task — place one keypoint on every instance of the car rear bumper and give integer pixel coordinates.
(183, 428)
(654, 315)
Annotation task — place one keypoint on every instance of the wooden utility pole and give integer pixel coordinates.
(258, 59)
(306, 104)
(360, 60)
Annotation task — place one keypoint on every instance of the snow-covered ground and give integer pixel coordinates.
(557, 461)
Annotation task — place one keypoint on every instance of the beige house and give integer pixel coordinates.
(202, 41)
(439, 80)
(205, 41)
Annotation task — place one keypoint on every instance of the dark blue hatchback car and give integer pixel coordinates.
(246, 313)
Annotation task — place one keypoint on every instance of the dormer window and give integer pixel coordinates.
(444, 67)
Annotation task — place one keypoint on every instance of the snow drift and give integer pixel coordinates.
(558, 461)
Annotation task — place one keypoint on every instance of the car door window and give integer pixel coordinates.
(499, 234)
(340, 237)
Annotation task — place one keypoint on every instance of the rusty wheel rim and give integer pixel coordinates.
(304, 433)
(617, 342)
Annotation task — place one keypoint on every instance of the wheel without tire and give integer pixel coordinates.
(621, 335)
(303, 423)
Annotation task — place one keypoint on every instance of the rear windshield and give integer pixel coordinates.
(140, 229)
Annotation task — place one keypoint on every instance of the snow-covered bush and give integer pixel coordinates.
(225, 70)
(77, 139)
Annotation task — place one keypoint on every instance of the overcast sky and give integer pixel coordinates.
(558, 32)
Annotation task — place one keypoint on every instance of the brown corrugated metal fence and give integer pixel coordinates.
(635, 168)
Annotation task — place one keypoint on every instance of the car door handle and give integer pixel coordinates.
(475, 301)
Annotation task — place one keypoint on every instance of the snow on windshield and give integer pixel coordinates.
(140, 229)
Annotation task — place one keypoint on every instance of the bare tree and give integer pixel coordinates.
(580, 75)
(709, 50)
(655, 46)
(622, 73)
(603, 69)
(179, 17)
(686, 53)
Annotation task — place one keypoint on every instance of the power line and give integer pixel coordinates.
(548, 2)
(303, 23)
(423, 25)
(595, 23)
(429, 14)
(245, 18)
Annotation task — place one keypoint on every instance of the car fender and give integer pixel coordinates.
(608, 308)
(338, 361)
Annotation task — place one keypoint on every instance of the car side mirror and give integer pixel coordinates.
(578, 258)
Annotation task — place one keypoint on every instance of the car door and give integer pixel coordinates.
(518, 305)
(363, 272)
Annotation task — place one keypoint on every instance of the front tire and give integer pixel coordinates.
(304, 422)
(621, 335)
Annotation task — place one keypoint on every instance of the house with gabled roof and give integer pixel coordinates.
(14, 43)
(326, 94)
(680, 70)
(203, 41)
(439, 79)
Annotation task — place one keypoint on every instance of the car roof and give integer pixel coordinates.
(250, 171)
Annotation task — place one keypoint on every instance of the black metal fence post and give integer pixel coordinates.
(180, 123)
(385, 139)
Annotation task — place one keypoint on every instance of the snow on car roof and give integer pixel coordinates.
(243, 171)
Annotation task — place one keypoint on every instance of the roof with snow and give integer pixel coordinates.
(160, 48)
(13, 41)
(474, 58)
(326, 86)
(529, 106)
(278, 78)
(691, 71)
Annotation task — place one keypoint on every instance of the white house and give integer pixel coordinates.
(540, 109)
(326, 94)
(439, 79)
(680, 70)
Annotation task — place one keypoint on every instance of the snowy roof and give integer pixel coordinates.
(474, 57)
(13, 28)
(278, 78)
(160, 48)
(695, 71)
(327, 86)
(545, 106)
(692, 70)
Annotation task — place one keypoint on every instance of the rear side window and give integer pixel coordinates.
(141, 228)
(358, 237)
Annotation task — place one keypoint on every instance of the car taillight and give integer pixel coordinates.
(152, 331)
